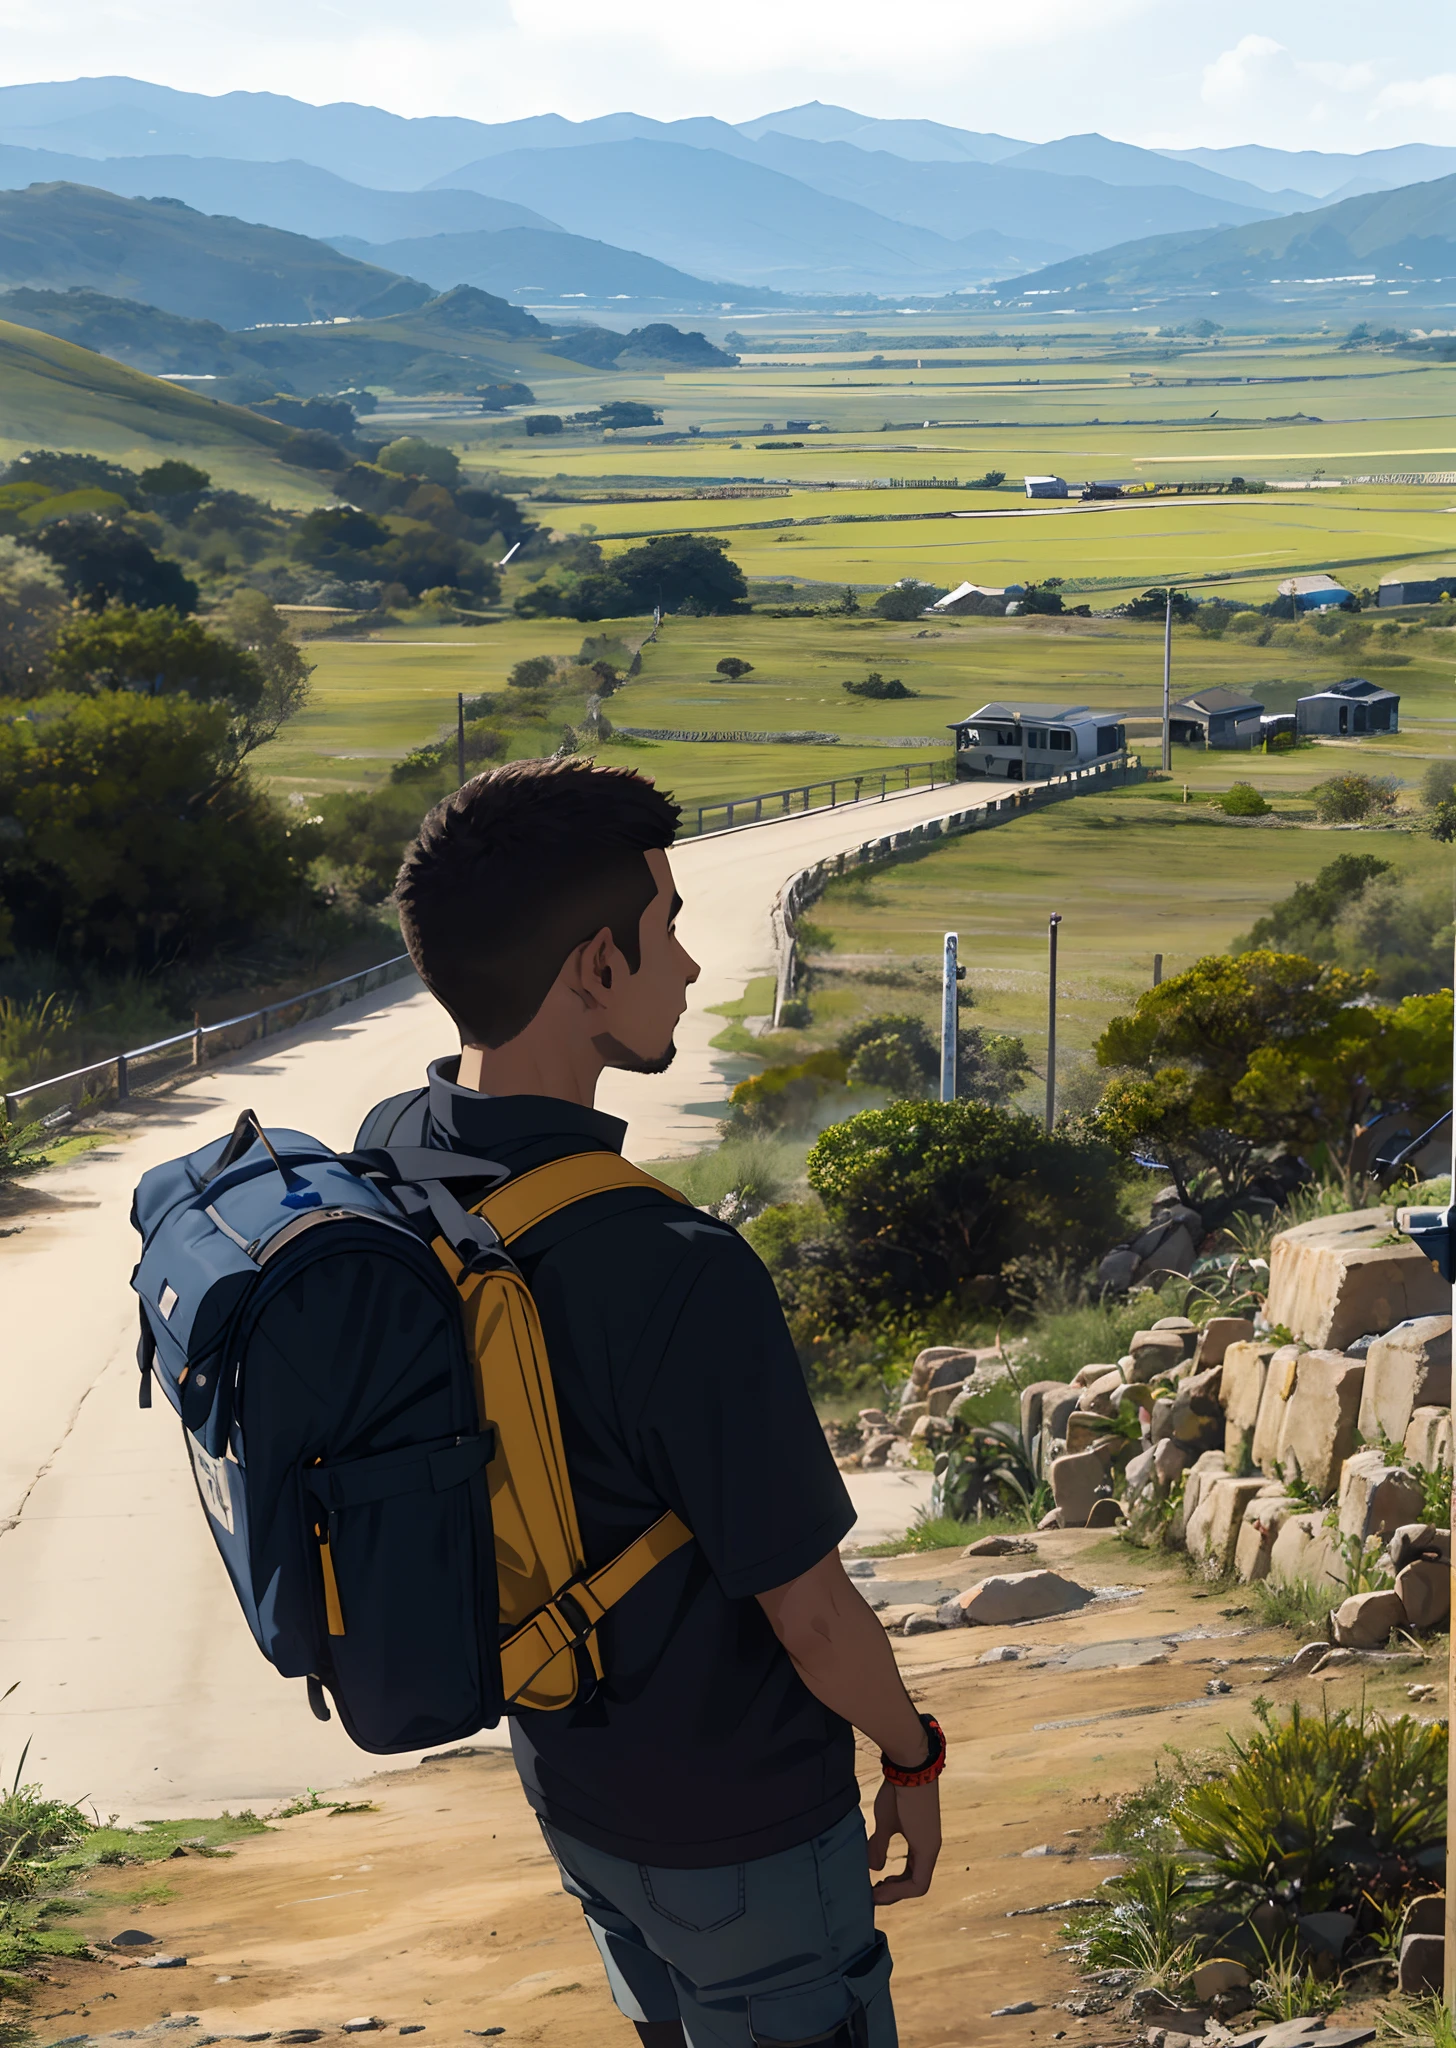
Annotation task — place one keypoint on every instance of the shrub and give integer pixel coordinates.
(534, 673)
(876, 685)
(1438, 784)
(733, 668)
(906, 600)
(411, 456)
(1347, 799)
(1244, 801)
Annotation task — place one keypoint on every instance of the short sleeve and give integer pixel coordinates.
(730, 1434)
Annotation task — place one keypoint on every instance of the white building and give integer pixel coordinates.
(1010, 742)
(1046, 486)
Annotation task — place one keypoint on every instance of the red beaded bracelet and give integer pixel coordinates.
(921, 1774)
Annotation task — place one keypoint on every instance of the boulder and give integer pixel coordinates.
(1052, 1519)
(1425, 1915)
(873, 1421)
(1211, 1532)
(1140, 1474)
(1088, 1375)
(1280, 1374)
(1020, 1596)
(1245, 1366)
(1032, 1397)
(1305, 1550)
(893, 1617)
(877, 1450)
(1101, 1397)
(1422, 1966)
(1154, 1351)
(1327, 1933)
(909, 1413)
(1055, 1410)
(940, 1400)
(1321, 1419)
(1165, 1248)
(1365, 1620)
(1376, 1498)
(1162, 1423)
(1424, 1590)
(1105, 1513)
(1203, 1468)
(1264, 1517)
(1000, 1546)
(1212, 1979)
(1086, 1432)
(924, 1621)
(959, 1357)
(1428, 1440)
(930, 1429)
(1196, 1420)
(1170, 1462)
(1335, 1278)
(1408, 1368)
(1117, 1270)
(1077, 1477)
(1185, 1327)
(1418, 1539)
(1216, 1336)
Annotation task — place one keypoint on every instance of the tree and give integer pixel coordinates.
(906, 600)
(1042, 599)
(411, 456)
(1346, 799)
(543, 423)
(32, 608)
(103, 563)
(1303, 921)
(534, 673)
(174, 479)
(876, 685)
(250, 622)
(625, 412)
(311, 448)
(157, 653)
(1438, 784)
(65, 471)
(136, 843)
(1153, 604)
(1185, 1049)
(733, 668)
(677, 569)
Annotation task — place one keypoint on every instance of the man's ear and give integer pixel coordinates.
(595, 962)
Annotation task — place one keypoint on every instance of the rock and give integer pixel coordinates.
(1264, 1517)
(1100, 1397)
(1186, 1328)
(1170, 1462)
(1217, 1334)
(1327, 1932)
(1308, 1657)
(951, 1368)
(1052, 1520)
(1154, 1351)
(1076, 1480)
(1117, 1270)
(1365, 1620)
(908, 1414)
(940, 1400)
(1032, 1397)
(1418, 1539)
(484, 2033)
(1105, 1513)
(1140, 1474)
(362, 2026)
(1000, 1546)
(162, 1963)
(1203, 1468)
(1021, 1596)
(1305, 1550)
(1425, 1915)
(1197, 1418)
(1420, 1693)
(1216, 1686)
(1333, 1279)
(1422, 1965)
(1088, 1375)
(877, 1450)
(873, 1421)
(1423, 1588)
(1050, 1849)
(1376, 1498)
(1320, 1418)
(1245, 1367)
(413, 2030)
(1005, 1655)
(1408, 1368)
(923, 1371)
(1211, 1532)
(1334, 1660)
(297, 2037)
(1163, 1249)
(1025, 2005)
(1089, 1433)
(132, 1937)
(1428, 1440)
(930, 1429)
(892, 1618)
(1212, 1979)
(1280, 1374)
(925, 1621)
(1162, 1422)
(948, 1614)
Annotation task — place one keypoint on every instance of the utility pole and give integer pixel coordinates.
(1051, 1093)
(949, 1018)
(1449, 1973)
(460, 737)
(1167, 683)
(1157, 970)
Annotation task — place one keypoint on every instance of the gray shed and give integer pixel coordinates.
(1348, 707)
(1215, 718)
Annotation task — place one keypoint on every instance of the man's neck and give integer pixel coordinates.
(528, 1067)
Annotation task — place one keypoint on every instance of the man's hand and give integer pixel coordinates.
(914, 1813)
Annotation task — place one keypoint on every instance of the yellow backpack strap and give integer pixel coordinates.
(531, 1197)
(570, 1618)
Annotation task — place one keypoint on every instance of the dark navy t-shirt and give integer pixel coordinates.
(678, 1387)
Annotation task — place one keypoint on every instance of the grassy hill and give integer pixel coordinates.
(55, 395)
(1405, 235)
(205, 266)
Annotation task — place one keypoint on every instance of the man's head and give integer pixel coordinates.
(550, 879)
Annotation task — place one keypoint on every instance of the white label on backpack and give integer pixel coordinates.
(167, 1301)
(212, 1484)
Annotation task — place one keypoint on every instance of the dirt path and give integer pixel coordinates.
(440, 1910)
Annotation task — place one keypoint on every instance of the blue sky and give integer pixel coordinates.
(1322, 74)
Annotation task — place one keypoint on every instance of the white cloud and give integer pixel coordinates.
(1435, 95)
(1249, 68)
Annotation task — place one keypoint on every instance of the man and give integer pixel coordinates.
(702, 1803)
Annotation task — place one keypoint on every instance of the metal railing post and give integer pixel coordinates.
(121, 1087)
(196, 1038)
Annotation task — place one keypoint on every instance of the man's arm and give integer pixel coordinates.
(840, 1650)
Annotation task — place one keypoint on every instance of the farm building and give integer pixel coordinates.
(1351, 706)
(1318, 593)
(1416, 586)
(1215, 718)
(1024, 742)
(1046, 487)
(977, 597)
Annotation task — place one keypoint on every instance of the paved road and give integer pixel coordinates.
(138, 1680)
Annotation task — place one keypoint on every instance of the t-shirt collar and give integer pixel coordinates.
(465, 1118)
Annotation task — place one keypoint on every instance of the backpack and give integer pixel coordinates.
(368, 1408)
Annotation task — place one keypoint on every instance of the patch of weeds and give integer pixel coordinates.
(1297, 1605)
(1144, 1927)
(1139, 1823)
(147, 1895)
(310, 1801)
(946, 1532)
(1287, 1988)
(1299, 1489)
(1418, 2022)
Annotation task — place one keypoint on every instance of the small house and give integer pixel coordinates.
(1215, 718)
(1318, 593)
(1419, 586)
(1008, 742)
(1353, 706)
(977, 597)
(1046, 486)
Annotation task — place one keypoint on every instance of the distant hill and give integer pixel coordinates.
(525, 262)
(1123, 163)
(202, 265)
(1406, 236)
(1328, 174)
(294, 195)
(920, 141)
(61, 396)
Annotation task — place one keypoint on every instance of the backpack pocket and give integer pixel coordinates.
(404, 1591)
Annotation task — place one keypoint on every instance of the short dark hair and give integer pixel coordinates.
(514, 871)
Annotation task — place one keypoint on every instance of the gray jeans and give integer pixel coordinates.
(781, 1952)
